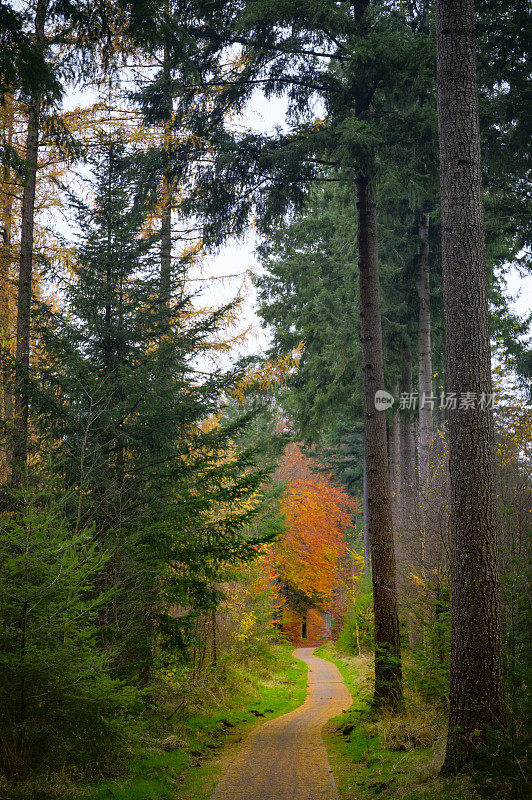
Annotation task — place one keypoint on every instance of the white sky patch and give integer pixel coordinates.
(229, 271)
(519, 288)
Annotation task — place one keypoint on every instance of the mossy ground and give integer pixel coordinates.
(183, 757)
(392, 758)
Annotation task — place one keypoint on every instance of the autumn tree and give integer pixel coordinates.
(317, 515)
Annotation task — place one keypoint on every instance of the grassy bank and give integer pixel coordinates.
(390, 758)
(181, 755)
(189, 758)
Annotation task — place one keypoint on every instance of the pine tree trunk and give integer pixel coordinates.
(395, 468)
(214, 643)
(430, 535)
(365, 511)
(394, 451)
(388, 673)
(424, 354)
(19, 457)
(476, 696)
(166, 215)
(409, 537)
(409, 470)
(6, 256)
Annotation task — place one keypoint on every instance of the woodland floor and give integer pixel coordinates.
(285, 759)
(394, 757)
(254, 736)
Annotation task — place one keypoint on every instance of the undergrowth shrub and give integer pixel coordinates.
(358, 631)
(428, 665)
(58, 703)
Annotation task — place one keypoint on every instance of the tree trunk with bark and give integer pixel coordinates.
(388, 673)
(394, 449)
(395, 467)
(409, 470)
(426, 430)
(409, 544)
(476, 693)
(6, 257)
(426, 468)
(19, 457)
(365, 511)
(167, 191)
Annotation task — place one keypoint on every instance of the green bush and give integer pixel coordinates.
(427, 670)
(358, 631)
(58, 703)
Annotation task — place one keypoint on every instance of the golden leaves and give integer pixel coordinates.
(270, 375)
(317, 513)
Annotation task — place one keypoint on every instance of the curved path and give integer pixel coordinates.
(285, 759)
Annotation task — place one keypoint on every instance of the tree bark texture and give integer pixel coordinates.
(365, 511)
(22, 354)
(476, 696)
(388, 673)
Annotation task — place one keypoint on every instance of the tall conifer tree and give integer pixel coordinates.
(127, 419)
(476, 694)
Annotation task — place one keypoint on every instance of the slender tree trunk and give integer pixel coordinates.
(394, 449)
(395, 468)
(6, 256)
(22, 355)
(388, 673)
(476, 695)
(424, 354)
(426, 467)
(167, 191)
(214, 643)
(409, 471)
(410, 543)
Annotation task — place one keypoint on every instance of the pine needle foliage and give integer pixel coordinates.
(57, 699)
(126, 412)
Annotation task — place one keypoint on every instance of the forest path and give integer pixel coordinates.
(285, 758)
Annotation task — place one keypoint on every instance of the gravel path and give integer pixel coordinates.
(285, 759)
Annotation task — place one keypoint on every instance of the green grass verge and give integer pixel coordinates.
(189, 759)
(389, 758)
(182, 756)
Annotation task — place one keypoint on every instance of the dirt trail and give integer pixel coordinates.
(285, 759)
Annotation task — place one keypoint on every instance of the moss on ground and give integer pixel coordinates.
(391, 757)
(182, 756)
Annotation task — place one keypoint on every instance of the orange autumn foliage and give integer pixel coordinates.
(309, 554)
